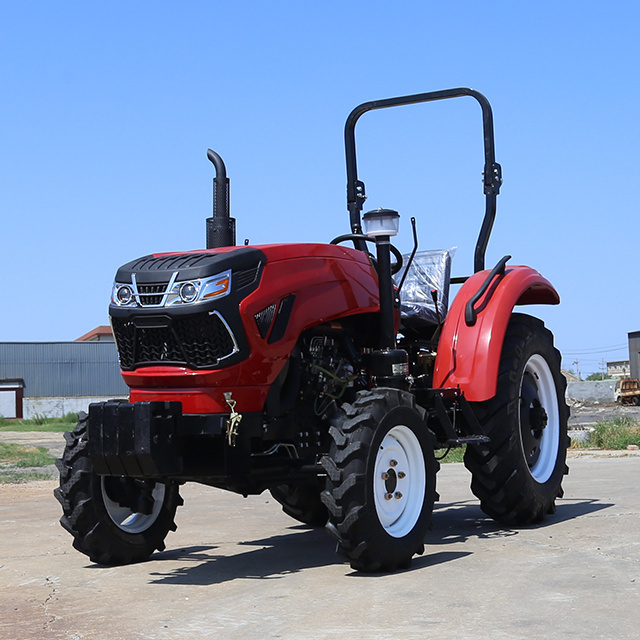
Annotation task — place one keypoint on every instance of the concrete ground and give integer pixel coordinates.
(240, 569)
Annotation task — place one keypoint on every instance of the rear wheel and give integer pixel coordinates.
(518, 475)
(381, 474)
(301, 500)
(112, 520)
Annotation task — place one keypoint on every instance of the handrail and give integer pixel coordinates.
(470, 312)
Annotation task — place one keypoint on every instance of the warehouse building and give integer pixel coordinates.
(55, 378)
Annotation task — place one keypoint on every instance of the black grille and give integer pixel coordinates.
(199, 341)
(264, 319)
(151, 294)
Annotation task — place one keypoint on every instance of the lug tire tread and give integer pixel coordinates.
(352, 436)
(85, 517)
(500, 477)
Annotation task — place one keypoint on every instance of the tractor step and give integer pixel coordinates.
(455, 442)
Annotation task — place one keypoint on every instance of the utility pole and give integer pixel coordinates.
(577, 363)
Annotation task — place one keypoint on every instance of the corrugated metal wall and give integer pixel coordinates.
(634, 354)
(63, 369)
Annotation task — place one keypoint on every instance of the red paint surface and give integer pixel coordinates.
(468, 357)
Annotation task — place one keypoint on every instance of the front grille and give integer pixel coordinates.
(198, 341)
(151, 294)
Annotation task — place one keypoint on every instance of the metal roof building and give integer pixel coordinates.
(58, 370)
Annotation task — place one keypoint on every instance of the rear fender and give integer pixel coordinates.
(469, 356)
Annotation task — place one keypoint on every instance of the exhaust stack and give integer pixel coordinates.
(221, 229)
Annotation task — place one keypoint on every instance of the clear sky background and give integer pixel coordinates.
(107, 111)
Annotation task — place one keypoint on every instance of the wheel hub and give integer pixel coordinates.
(399, 481)
(390, 478)
(130, 512)
(539, 418)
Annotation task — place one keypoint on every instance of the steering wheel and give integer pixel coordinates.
(395, 266)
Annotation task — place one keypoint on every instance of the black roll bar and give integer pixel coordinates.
(492, 170)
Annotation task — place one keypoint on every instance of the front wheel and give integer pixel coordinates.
(112, 520)
(381, 476)
(518, 475)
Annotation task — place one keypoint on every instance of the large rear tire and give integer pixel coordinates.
(112, 520)
(381, 476)
(519, 474)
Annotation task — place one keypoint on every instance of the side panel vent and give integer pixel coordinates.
(264, 319)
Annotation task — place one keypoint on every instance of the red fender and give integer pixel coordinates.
(469, 356)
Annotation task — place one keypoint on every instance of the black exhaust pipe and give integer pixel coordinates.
(221, 229)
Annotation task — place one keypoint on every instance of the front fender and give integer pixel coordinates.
(469, 356)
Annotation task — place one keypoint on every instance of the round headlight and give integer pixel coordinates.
(124, 295)
(188, 292)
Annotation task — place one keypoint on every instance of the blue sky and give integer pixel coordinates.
(108, 109)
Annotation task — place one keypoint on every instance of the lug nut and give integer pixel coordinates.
(398, 495)
(385, 475)
(402, 475)
(388, 496)
(393, 463)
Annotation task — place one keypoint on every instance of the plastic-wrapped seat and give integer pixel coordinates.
(430, 270)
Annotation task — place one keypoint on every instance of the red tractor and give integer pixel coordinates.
(308, 371)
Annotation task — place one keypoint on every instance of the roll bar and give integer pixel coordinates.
(492, 170)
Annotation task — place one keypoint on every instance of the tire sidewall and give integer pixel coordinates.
(533, 490)
(382, 541)
(537, 346)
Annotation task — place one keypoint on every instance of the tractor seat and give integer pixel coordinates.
(429, 271)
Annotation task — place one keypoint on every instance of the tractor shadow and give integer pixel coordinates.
(302, 548)
(456, 522)
(270, 558)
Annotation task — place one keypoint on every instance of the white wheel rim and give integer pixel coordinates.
(543, 467)
(399, 481)
(129, 520)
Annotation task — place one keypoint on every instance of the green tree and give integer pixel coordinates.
(598, 376)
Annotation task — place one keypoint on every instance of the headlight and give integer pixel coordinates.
(173, 293)
(188, 292)
(122, 295)
(201, 290)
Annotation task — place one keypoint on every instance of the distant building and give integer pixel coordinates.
(619, 369)
(56, 378)
(102, 333)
